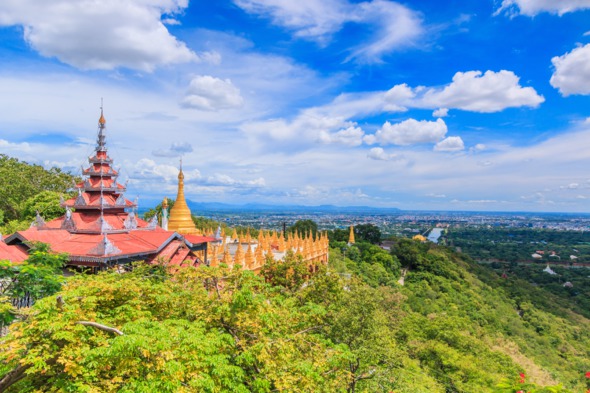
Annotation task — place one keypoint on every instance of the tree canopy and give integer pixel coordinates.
(26, 188)
(350, 327)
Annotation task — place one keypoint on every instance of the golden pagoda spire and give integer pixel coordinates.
(227, 258)
(249, 258)
(351, 236)
(181, 219)
(259, 255)
(239, 256)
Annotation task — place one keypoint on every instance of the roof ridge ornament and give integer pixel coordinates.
(104, 247)
(39, 222)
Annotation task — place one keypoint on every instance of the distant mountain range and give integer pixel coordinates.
(197, 207)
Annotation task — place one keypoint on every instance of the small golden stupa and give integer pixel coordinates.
(181, 219)
(351, 235)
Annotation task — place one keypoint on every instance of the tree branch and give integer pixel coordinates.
(101, 327)
(13, 376)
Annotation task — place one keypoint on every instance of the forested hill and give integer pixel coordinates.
(27, 188)
(350, 328)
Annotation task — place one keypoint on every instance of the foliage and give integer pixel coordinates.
(21, 181)
(290, 273)
(47, 203)
(520, 385)
(38, 276)
(350, 327)
(184, 333)
(367, 233)
(303, 227)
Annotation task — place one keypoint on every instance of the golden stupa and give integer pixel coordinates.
(181, 219)
(351, 235)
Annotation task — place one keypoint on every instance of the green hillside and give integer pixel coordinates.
(352, 328)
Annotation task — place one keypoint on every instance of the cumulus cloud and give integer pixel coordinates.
(440, 112)
(409, 132)
(572, 72)
(176, 149)
(394, 25)
(147, 169)
(468, 91)
(377, 153)
(219, 179)
(534, 7)
(452, 143)
(490, 92)
(100, 35)
(351, 136)
(212, 94)
(308, 127)
(6, 146)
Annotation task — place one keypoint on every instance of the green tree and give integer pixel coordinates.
(47, 203)
(367, 233)
(38, 276)
(21, 181)
(144, 331)
(303, 227)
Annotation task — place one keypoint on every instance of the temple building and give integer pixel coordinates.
(101, 229)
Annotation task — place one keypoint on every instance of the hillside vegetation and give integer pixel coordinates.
(349, 328)
(26, 189)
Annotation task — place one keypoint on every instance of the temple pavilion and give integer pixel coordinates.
(101, 229)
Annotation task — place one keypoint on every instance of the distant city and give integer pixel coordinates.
(389, 221)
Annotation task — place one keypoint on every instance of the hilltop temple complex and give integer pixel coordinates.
(101, 229)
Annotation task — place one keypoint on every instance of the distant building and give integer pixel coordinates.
(419, 238)
(536, 256)
(549, 270)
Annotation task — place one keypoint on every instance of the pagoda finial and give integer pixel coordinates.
(101, 121)
(100, 142)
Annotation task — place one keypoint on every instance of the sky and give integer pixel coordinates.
(419, 105)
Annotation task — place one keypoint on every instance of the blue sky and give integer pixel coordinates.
(454, 105)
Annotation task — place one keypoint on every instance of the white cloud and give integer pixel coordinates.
(452, 143)
(377, 153)
(469, 91)
(10, 147)
(571, 186)
(395, 25)
(440, 112)
(478, 148)
(212, 94)
(534, 7)
(147, 169)
(307, 18)
(572, 72)
(351, 136)
(409, 132)
(177, 149)
(219, 179)
(490, 92)
(103, 34)
(398, 27)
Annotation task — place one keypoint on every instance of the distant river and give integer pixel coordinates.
(435, 234)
